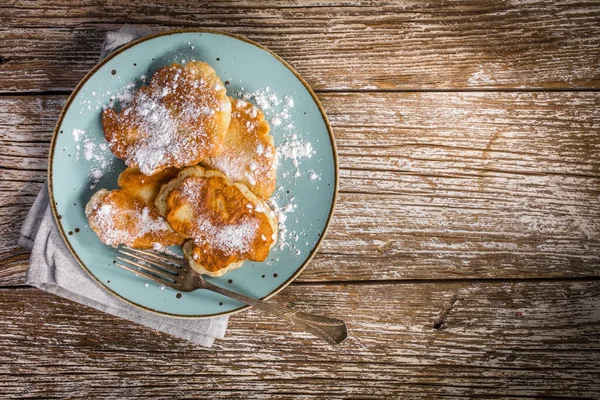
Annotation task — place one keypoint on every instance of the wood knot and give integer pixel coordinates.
(3, 59)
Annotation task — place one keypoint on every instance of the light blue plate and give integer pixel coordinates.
(308, 189)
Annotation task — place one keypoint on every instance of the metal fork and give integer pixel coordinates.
(176, 273)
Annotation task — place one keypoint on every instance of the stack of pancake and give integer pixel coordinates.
(201, 167)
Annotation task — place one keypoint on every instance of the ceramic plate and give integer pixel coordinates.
(80, 164)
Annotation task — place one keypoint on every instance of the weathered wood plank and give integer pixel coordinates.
(452, 185)
(50, 45)
(13, 267)
(512, 339)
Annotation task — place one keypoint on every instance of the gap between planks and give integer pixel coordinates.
(408, 281)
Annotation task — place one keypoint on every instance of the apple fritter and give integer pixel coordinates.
(128, 216)
(178, 119)
(248, 152)
(225, 222)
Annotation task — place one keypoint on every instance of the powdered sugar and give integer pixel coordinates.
(272, 105)
(176, 120)
(147, 223)
(282, 212)
(291, 148)
(295, 149)
(230, 239)
(160, 128)
(106, 215)
(279, 111)
(289, 101)
(97, 154)
(97, 174)
(126, 96)
(88, 148)
(77, 134)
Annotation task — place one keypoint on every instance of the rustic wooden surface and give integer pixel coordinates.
(465, 249)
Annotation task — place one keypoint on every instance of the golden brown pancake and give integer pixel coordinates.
(226, 222)
(179, 119)
(143, 186)
(248, 153)
(128, 216)
(119, 218)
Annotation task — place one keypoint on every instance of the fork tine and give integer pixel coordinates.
(162, 265)
(145, 275)
(160, 257)
(156, 272)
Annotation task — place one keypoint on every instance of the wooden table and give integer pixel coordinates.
(464, 252)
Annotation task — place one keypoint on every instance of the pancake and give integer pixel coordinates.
(225, 222)
(248, 153)
(117, 218)
(128, 216)
(145, 187)
(178, 120)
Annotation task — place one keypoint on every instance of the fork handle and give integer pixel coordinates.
(332, 330)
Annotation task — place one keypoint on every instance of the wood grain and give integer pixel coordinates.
(399, 45)
(514, 339)
(13, 267)
(433, 185)
(465, 250)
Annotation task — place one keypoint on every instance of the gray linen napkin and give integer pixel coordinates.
(52, 267)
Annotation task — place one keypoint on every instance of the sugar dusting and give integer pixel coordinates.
(169, 134)
(271, 104)
(279, 111)
(291, 148)
(77, 134)
(97, 154)
(105, 216)
(235, 164)
(161, 131)
(294, 150)
(230, 239)
(282, 211)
